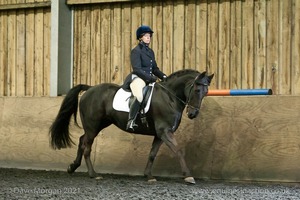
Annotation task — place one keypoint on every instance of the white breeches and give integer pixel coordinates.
(136, 87)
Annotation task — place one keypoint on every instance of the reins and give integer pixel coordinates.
(171, 93)
(186, 103)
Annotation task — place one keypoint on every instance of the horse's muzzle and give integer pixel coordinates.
(192, 113)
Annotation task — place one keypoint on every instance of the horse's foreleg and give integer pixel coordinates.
(171, 142)
(155, 147)
(78, 159)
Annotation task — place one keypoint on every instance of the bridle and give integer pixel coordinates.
(189, 97)
(187, 102)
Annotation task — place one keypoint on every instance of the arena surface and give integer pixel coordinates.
(37, 184)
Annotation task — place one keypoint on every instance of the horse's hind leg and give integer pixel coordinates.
(91, 131)
(87, 143)
(72, 167)
(84, 149)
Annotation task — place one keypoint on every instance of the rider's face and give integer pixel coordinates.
(146, 38)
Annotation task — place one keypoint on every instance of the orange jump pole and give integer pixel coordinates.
(241, 92)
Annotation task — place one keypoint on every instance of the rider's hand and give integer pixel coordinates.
(153, 78)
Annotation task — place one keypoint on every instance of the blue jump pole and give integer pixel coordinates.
(240, 92)
(250, 92)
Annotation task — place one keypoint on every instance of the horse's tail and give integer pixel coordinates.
(59, 130)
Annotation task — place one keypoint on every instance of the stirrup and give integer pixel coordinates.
(131, 125)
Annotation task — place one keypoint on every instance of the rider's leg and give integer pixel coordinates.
(136, 87)
(134, 109)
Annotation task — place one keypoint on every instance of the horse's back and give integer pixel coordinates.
(99, 93)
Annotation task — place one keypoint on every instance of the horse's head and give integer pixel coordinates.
(196, 92)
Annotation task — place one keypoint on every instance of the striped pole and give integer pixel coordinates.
(241, 92)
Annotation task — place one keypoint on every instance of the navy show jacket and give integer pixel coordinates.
(144, 64)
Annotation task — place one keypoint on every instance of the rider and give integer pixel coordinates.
(144, 71)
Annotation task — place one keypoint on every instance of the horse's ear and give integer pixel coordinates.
(211, 76)
(203, 74)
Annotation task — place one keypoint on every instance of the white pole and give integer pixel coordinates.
(61, 48)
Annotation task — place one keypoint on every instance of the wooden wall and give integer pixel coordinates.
(247, 44)
(25, 47)
(233, 138)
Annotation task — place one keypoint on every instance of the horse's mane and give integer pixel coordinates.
(181, 72)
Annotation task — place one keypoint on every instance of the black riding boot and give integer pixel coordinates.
(134, 109)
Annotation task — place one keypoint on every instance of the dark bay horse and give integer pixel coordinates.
(184, 88)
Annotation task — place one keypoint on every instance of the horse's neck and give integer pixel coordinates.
(178, 86)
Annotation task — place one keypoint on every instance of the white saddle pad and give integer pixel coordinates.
(121, 100)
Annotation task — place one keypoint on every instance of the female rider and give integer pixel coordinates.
(144, 71)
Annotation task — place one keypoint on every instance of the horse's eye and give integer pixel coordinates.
(204, 90)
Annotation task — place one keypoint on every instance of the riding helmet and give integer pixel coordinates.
(142, 30)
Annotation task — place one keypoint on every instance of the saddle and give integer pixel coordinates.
(123, 99)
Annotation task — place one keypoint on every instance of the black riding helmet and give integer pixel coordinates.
(142, 30)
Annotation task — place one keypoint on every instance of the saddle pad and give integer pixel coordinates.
(121, 100)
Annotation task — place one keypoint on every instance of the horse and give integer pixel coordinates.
(183, 89)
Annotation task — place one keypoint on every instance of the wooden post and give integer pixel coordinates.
(61, 48)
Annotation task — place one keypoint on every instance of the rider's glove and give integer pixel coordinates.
(164, 78)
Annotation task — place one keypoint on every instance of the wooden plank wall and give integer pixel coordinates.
(25, 47)
(247, 44)
(233, 138)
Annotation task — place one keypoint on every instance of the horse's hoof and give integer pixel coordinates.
(93, 175)
(190, 180)
(152, 180)
(99, 178)
(70, 170)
